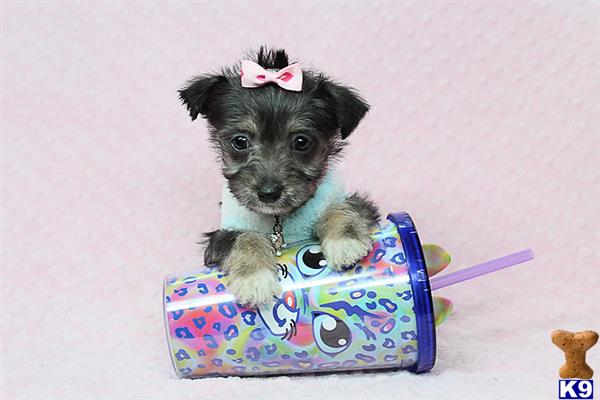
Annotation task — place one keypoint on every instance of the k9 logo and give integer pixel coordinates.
(575, 389)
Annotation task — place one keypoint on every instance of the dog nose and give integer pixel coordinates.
(270, 192)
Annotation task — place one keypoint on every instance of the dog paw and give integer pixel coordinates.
(256, 288)
(342, 252)
(251, 269)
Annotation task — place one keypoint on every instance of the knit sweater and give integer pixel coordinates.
(299, 225)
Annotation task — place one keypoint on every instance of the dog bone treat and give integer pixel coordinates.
(574, 346)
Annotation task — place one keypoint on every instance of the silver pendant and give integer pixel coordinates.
(277, 237)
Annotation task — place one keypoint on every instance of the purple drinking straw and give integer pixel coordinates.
(487, 267)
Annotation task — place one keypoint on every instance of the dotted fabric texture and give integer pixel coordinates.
(485, 126)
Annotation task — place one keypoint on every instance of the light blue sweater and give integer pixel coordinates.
(297, 226)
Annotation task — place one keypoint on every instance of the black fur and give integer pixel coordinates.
(337, 107)
(324, 111)
(271, 118)
(271, 58)
(218, 245)
(349, 106)
(199, 91)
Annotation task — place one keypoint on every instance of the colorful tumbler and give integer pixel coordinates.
(378, 313)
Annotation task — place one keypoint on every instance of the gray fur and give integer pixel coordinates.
(271, 120)
(344, 230)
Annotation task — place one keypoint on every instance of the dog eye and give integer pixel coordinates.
(331, 334)
(302, 143)
(240, 142)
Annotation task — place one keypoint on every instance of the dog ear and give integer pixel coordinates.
(349, 107)
(200, 93)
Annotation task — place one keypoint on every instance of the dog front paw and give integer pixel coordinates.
(251, 269)
(343, 231)
(342, 252)
(255, 289)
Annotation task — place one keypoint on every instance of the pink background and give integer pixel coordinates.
(485, 127)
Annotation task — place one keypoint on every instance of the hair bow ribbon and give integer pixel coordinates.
(288, 78)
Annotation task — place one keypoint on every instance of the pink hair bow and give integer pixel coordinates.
(288, 78)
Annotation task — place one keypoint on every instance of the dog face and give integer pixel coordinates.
(275, 145)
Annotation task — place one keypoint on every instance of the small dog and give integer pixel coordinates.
(278, 129)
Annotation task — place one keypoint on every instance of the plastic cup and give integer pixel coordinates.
(377, 313)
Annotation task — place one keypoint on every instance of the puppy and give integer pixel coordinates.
(278, 130)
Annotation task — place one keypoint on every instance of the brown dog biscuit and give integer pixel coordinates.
(574, 346)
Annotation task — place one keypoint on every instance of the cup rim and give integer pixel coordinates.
(419, 281)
